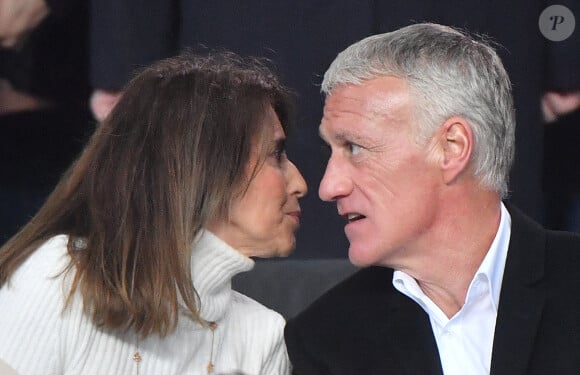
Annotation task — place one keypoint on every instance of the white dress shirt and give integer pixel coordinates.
(465, 341)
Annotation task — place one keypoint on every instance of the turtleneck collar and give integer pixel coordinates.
(213, 264)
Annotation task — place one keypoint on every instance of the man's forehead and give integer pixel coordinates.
(374, 97)
(343, 131)
(376, 84)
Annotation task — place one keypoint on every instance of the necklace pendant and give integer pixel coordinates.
(210, 366)
(137, 357)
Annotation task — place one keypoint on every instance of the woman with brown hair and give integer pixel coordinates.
(126, 268)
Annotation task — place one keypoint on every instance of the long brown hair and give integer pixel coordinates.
(169, 158)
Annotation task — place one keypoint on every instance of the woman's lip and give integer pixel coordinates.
(295, 215)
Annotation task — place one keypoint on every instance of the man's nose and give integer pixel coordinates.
(335, 183)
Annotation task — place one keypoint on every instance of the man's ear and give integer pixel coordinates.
(456, 145)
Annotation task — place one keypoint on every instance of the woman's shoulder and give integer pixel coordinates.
(38, 281)
(31, 302)
(261, 332)
(253, 310)
(46, 263)
(254, 320)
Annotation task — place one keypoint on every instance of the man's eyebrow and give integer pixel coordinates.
(344, 136)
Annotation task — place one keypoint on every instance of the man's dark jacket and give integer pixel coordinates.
(365, 326)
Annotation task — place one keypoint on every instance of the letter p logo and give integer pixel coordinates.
(557, 23)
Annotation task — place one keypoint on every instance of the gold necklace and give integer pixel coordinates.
(210, 365)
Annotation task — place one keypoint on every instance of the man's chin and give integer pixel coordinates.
(360, 257)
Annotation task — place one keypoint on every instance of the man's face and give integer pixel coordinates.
(383, 182)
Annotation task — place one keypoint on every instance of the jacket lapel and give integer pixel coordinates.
(406, 332)
(522, 297)
(413, 339)
(402, 343)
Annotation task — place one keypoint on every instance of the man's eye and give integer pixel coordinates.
(354, 149)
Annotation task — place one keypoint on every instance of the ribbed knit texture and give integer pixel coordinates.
(37, 337)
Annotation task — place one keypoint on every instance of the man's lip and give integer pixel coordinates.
(346, 214)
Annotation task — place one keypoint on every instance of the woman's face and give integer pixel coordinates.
(262, 222)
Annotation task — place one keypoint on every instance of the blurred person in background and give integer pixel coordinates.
(44, 115)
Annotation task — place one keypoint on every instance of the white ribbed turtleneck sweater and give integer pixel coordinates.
(36, 337)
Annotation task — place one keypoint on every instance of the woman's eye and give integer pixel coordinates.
(279, 154)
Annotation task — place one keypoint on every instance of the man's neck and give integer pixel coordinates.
(456, 250)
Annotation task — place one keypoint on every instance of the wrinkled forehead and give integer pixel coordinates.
(377, 96)
(380, 100)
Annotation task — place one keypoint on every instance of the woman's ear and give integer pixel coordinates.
(456, 147)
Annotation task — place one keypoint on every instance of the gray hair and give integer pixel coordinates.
(449, 73)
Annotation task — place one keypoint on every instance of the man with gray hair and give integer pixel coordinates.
(420, 125)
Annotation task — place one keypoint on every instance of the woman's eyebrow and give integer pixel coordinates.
(280, 143)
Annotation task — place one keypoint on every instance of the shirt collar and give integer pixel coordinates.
(491, 268)
(493, 264)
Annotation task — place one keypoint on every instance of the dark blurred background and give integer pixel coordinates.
(82, 53)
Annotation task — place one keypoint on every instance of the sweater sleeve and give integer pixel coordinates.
(31, 304)
(276, 361)
(260, 330)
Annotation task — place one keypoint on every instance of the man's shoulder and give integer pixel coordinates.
(366, 311)
(534, 243)
(564, 240)
(562, 259)
(355, 296)
(366, 281)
